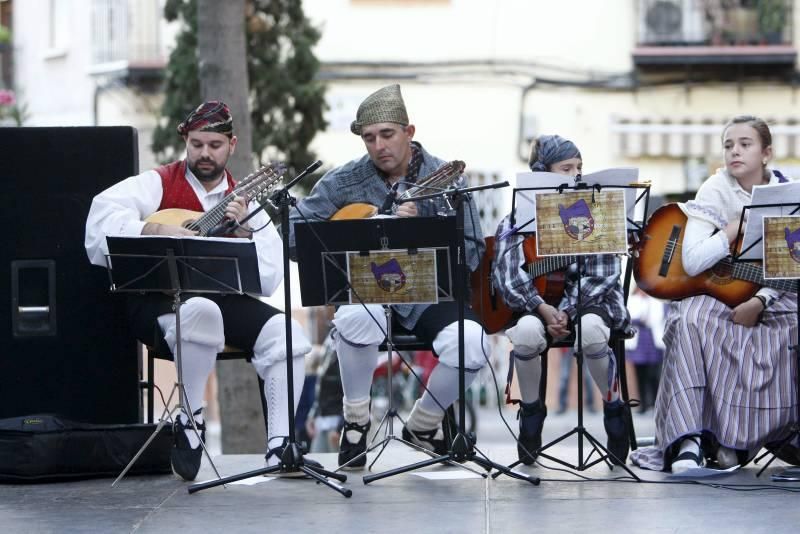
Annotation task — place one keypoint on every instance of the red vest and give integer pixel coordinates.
(177, 193)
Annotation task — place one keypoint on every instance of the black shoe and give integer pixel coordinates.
(184, 459)
(349, 450)
(531, 421)
(616, 418)
(275, 457)
(432, 440)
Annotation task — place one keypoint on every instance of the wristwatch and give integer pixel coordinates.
(763, 300)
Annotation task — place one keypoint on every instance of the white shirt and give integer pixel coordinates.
(121, 209)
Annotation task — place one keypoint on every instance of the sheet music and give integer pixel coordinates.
(525, 202)
(786, 194)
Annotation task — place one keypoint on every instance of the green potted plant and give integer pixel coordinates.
(771, 20)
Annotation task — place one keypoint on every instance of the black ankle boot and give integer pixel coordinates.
(531, 421)
(616, 418)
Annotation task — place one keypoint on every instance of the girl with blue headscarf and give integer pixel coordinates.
(540, 322)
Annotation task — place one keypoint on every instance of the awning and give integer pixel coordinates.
(691, 137)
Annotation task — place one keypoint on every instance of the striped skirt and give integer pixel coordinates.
(733, 382)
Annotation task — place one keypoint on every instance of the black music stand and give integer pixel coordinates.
(175, 266)
(322, 250)
(462, 448)
(782, 284)
(291, 460)
(580, 430)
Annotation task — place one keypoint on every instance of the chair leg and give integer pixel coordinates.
(619, 351)
(151, 383)
(543, 380)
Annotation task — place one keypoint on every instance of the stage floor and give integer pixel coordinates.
(459, 501)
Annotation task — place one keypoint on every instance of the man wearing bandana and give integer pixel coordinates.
(394, 158)
(602, 303)
(199, 183)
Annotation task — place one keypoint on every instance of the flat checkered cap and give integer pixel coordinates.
(384, 105)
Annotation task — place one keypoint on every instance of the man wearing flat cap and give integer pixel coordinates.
(199, 183)
(394, 159)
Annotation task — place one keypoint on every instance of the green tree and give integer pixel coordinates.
(286, 100)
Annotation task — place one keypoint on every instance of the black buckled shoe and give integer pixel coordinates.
(432, 440)
(531, 421)
(353, 445)
(616, 418)
(184, 459)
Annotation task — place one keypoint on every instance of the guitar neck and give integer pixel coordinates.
(213, 217)
(258, 182)
(549, 264)
(754, 273)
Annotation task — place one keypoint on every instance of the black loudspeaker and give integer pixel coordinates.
(65, 346)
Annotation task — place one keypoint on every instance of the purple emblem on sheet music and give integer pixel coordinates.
(389, 276)
(793, 243)
(577, 219)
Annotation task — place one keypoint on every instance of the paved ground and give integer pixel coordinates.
(409, 503)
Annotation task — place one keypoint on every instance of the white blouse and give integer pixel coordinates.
(719, 200)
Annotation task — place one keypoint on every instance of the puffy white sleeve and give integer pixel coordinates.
(120, 210)
(702, 247)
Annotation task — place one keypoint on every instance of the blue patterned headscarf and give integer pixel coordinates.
(552, 149)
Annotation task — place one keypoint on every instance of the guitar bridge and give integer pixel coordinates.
(669, 250)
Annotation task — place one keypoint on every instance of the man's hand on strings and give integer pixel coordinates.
(407, 209)
(236, 210)
(555, 320)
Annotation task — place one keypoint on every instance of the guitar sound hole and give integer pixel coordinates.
(721, 273)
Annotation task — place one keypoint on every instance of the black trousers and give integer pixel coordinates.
(433, 320)
(243, 317)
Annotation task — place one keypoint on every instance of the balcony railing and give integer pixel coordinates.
(126, 36)
(715, 22)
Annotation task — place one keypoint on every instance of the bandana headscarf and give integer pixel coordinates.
(384, 105)
(552, 149)
(212, 116)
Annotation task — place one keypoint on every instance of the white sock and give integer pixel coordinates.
(356, 366)
(356, 410)
(422, 419)
(529, 378)
(605, 378)
(276, 391)
(197, 362)
(690, 444)
(443, 387)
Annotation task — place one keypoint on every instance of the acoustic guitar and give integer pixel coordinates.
(658, 266)
(254, 185)
(548, 275)
(436, 181)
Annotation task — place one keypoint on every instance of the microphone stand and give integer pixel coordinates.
(462, 448)
(291, 460)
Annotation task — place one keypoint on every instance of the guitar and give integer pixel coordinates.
(547, 272)
(259, 183)
(658, 266)
(435, 181)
